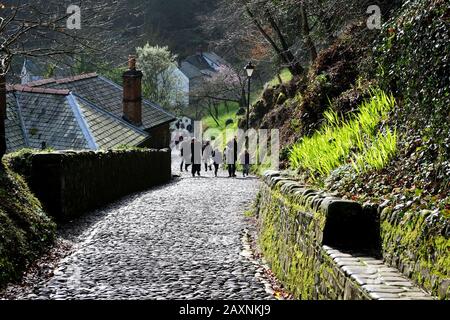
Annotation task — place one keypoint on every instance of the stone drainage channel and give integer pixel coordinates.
(189, 239)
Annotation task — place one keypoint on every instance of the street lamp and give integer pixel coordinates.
(249, 68)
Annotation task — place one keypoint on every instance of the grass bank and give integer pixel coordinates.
(357, 141)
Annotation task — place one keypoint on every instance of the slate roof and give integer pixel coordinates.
(189, 70)
(48, 117)
(109, 131)
(38, 68)
(198, 61)
(33, 68)
(108, 96)
(215, 58)
(197, 66)
(15, 138)
(53, 121)
(63, 121)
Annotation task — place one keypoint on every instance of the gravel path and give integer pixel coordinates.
(184, 240)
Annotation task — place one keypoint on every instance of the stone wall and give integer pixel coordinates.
(322, 247)
(159, 137)
(71, 183)
(418, 244)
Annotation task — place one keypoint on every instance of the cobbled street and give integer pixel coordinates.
(184, 240)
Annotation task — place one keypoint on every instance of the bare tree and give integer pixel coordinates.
(43, 29)
(295, 30)
(227, 85)
(224, 85)
(254, 24)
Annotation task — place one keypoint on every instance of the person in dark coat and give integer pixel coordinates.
(231, 156)
(245, 161)
(179, 146)
(235, 155)
(196, 157)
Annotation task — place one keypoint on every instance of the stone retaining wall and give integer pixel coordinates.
(311, 241)
(418, 244)
(71, 183)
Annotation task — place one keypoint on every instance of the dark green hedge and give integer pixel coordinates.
(413, 60)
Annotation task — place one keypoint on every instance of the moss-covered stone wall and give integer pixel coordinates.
(289, 243)
(418, 244)
(294, 223)
(322, 247)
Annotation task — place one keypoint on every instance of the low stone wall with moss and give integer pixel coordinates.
(295, 224)
(418, 244)
(323, 247)
(71, 183)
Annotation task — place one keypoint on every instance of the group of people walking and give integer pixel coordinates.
(193, 153)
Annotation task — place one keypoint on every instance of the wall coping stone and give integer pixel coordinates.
(346, 223)
(376, 278)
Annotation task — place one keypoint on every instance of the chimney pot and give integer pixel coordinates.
(132, 93)
(132, 62)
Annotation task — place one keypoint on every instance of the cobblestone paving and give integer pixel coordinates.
(179, 241)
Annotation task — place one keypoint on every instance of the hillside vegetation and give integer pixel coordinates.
(366, 87)
(356, 140)
(370, 121)
(25, 229)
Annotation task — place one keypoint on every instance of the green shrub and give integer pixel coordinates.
(378, 154)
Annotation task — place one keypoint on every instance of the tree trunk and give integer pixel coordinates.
(2, 114)
(306, 31)
(294, 65)
(216, 109)
(211, 106)
(327, 24)
(286, 57)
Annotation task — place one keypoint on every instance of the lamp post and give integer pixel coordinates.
(249, 68)
(2, 114)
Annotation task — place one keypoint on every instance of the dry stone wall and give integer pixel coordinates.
(322, 247)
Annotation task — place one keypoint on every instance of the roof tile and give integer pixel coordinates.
(22, 88)
(108, 96)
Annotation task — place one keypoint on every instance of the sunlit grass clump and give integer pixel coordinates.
(356, 141)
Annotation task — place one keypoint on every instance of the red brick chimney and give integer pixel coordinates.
(132, 93)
